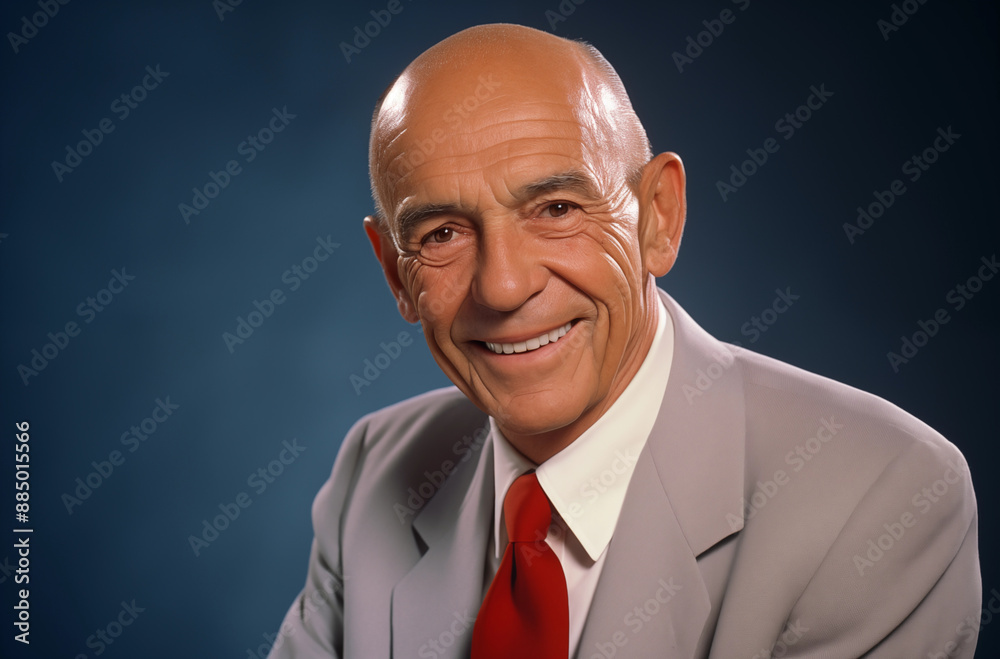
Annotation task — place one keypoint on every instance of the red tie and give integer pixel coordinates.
(526, 611)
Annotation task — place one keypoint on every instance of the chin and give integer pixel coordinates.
(534, 414)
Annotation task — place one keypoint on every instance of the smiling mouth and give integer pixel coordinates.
(530, 344)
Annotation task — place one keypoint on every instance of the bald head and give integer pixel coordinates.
(475, 76)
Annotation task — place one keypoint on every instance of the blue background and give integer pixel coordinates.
(162, 335)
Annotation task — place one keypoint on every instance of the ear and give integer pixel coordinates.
(662, 209)
(385, 252)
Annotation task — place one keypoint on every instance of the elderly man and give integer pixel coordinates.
(607, 480)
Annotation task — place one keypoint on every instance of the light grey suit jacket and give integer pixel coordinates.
(773, 512)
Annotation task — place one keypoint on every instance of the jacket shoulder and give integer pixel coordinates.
(787, 407)
(887, 501)
(429, 409)
(394, 451)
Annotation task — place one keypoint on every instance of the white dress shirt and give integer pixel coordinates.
(586, 481)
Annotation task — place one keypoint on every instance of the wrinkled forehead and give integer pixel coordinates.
(471, 118)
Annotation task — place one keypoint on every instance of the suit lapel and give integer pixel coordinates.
(651, 598)
(432, 612)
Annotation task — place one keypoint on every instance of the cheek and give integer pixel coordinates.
(419, 287)
(438, 295)
(607, 270)
(604, 260)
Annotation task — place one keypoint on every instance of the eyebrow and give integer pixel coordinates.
(410, 218)
(570, 181)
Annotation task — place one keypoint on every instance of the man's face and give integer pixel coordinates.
(518, 250)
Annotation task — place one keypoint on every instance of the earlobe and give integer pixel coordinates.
(406, 309)
(385, 253)
(662, 212)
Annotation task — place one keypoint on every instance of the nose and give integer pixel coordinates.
(508, 272)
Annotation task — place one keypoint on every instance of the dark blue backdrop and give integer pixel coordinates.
(109, 215)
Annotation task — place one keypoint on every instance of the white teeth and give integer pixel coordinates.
(530, 344)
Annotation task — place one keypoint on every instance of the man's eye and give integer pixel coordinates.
(442, 235)
(557, 210)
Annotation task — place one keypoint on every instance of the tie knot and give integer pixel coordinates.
(526, 510)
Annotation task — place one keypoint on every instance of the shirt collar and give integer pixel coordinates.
(586, 481)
